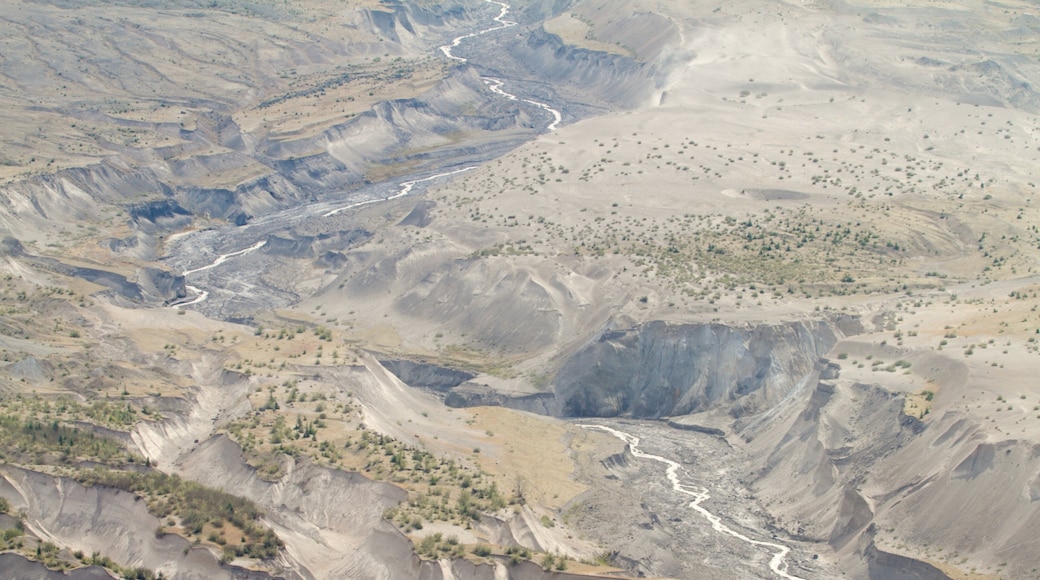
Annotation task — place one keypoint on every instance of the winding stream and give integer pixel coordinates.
(406, 188)
(200, 294)
(495, 85)
(777, 563)
(225, 257)
(500, 19)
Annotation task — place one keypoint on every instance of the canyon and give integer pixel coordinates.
(556, 289)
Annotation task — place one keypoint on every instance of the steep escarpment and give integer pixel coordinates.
(848, 468)
(30, 206)
(415, 26)
(333, 519)
(425, 375)
(148, 285)
(419, 131)
(220, 396)
(620, 56)
(830, 445)
(592, 77)
(19, 566)
(105, 521)
(662, 369)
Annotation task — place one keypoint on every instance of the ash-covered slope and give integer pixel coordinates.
(505, 277)
(106, 521)
(416, 133)
(21, 567)
(662, 369)
(847, 467)
(332, 519)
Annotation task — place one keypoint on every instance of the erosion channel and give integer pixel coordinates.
(470, 289)
(273, 228)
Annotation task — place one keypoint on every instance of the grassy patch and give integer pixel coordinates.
(51, 442)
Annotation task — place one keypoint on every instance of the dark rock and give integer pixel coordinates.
(425, 375)
(161, 285)
(474, 395)
(154, 211)
(331, 260)
(697, 428)
(11, 247)
(419, 216)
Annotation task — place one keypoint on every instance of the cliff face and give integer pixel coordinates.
(662, 369)
(616, 79)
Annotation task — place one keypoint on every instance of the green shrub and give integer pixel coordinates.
(482, 550)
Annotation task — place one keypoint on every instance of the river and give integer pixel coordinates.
(777, 563)
(494, 85)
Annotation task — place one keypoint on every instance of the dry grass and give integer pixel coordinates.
(532, 448)
(574, 31)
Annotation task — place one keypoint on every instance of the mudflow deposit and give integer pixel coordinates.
(468, 289)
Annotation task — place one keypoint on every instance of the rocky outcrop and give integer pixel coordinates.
(160, 212)
(481, 395)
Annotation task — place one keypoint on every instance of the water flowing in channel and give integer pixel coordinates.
(495, 85)
(500, 19)
(200, 294)
(777, 563)
(406, 188)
